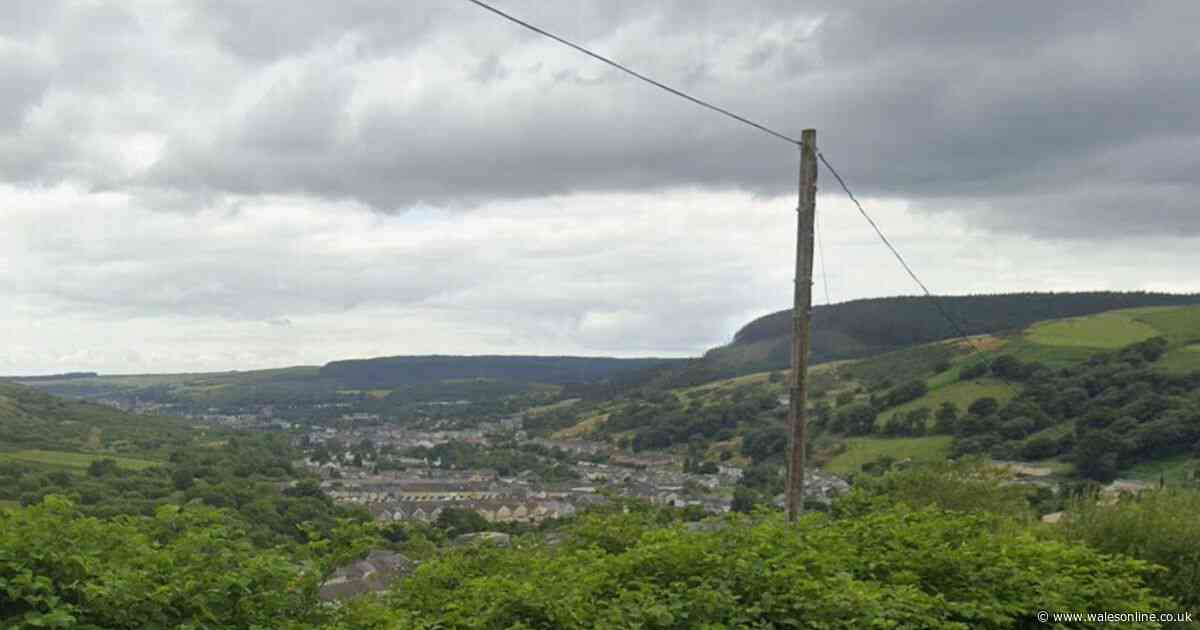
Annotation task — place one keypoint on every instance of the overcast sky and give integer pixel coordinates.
(235, 184)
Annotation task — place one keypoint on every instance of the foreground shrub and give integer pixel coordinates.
(1159, 527)
(192, 567)
(971, 485)
(896, 568)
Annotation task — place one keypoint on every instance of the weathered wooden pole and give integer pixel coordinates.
(801, 308)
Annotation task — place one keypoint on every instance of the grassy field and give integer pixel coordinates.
(1050, 356)
(63, 459)
(1062, 342)
(1181, 327)
(862, 450)
(1107, 330)
(961, 393)
(1182, 359)
(1180, 324)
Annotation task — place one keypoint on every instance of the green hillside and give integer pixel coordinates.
(70, 461)
(1126, 379)
(1067, 341)
(867, 327)
(894, 406)
(865, 450)
(32, 421)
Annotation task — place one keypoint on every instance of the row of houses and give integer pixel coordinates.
(492, 511)
(415, 492)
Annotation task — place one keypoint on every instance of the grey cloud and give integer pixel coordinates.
(24, 81)
(490, 69)
(1019, 115)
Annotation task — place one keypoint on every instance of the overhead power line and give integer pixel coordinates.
(821, 254)
(679, 93)
(760, 127)
(937, 302)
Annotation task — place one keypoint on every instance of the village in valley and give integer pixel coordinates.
(382, 473)
(398, 475)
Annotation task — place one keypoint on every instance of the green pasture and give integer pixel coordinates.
(64, 459)
(1111, 330)
(961, 393)
(861, 450)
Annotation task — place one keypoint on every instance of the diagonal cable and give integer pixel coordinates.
(629, 71)
(937, 302)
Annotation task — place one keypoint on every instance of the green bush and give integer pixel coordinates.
(895, 568)
(966, 486)
(192, 565)
(1158, 527)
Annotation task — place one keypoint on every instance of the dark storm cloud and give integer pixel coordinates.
(1060, 120)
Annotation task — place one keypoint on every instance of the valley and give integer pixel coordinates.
(309, 468)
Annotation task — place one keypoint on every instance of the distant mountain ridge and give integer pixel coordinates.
(849, 330)
(558, 370)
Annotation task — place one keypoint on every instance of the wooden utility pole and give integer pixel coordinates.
(806, 212)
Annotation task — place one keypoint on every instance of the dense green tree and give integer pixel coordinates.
(744, 500)
(762, 444)
(857, 419)
(910, 390)
(457, 521)
(983, 407)
(946, 420)
(1097, 455)
(102, 467)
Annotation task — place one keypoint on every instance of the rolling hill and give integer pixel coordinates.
(44, 431)
(1134, 369)
(403, 378)
(862, 328)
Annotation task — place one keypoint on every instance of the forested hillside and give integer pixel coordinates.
(112, 463)
(31, 419)
(862, 328)
(1094, 396)
(399, 371)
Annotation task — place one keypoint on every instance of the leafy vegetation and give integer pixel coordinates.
(182, 567)
(658, 420)
(1122, 411)
(1158, 527)
(960, 394)
(935, 546)
(31, 420)
(117, 521)
(243, 473)
(506, 459)
(893, 565)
